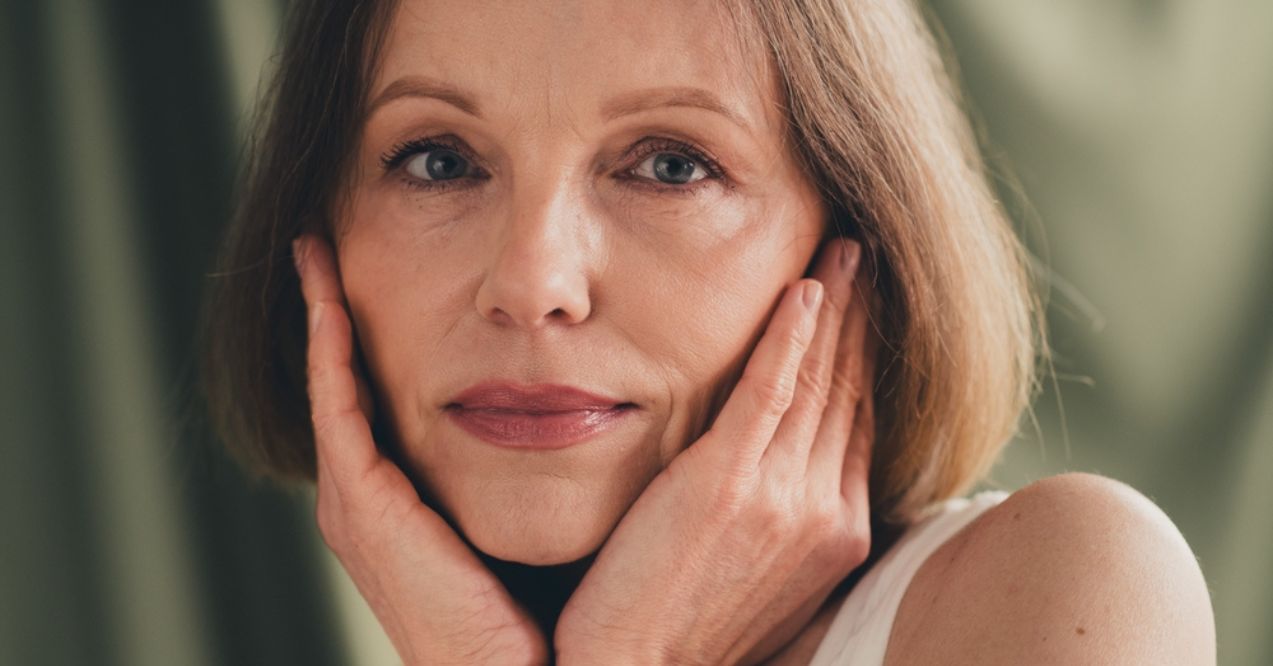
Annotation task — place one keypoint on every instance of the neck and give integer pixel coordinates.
(541, 590)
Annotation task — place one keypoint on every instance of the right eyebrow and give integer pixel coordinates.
(423, 86)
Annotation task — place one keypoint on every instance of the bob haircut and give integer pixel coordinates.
(873, 118)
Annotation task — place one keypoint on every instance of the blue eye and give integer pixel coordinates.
(437, 164)
(670, 168)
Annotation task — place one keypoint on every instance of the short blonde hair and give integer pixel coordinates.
(877, 120)
(874, 120)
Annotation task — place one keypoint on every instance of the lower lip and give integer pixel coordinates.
(525, 430)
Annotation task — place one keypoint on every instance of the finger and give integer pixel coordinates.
(855, 470)
(320, 281)
(855, 466)
(342, 435)
(750, 415)
(795, 434)
(848, 385)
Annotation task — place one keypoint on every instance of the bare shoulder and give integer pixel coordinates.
(1072, 569)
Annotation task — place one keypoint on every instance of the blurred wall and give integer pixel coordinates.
(1131, 140)
(1134, 145)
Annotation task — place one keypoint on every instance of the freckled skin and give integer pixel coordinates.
(557, 268)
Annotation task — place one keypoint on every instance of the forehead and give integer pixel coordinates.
(573, 60)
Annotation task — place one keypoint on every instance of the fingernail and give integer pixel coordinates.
(315, 316)
(812, 295)
(849, 253)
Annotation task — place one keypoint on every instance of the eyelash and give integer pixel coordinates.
(399, 154)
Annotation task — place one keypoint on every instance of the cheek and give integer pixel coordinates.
(404, 296)
(700, 289)
(401, 255)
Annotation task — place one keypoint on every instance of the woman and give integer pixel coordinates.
(653, 332)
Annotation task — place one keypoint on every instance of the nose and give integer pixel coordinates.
(539, 270)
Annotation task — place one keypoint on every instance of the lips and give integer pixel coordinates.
(540, 416)
(536, 398)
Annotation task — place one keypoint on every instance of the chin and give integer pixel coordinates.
(563, 523)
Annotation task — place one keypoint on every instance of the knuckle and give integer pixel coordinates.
(317, 379)
(772, 391)
(812, 377)
(815, 395)
(324, 425)
(775, 514)
(728, 497)
(847, 382)
(842, 377)
(823, 522)
(318, 372)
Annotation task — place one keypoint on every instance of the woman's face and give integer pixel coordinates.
(587, 193)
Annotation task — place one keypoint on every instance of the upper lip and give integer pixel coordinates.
(508, 396)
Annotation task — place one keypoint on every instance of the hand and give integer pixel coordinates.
(733, 547)
(432, 595)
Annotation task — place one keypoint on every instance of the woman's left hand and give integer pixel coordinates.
(733, 547)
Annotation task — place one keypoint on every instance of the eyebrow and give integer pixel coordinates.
(652, 98)
(423, 86)
(625, 104)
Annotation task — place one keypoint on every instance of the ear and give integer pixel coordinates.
(823, 245)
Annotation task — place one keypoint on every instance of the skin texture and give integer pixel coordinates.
(554, 261)
(1071, 569)
(561, 265)
(723, 559)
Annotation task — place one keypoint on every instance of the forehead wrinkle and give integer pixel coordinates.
(735, 28)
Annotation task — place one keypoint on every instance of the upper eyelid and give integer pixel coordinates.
(683, 147)
(401, 151)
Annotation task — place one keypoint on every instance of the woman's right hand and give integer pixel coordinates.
(437, 602)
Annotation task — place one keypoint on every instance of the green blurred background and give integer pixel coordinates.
(1132, 141)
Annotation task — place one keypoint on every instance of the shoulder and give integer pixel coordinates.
(1075, 568)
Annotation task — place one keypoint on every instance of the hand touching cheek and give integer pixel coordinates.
(733, 547)
(429, 591)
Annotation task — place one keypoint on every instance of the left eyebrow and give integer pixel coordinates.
(650, 98)
(423, 86)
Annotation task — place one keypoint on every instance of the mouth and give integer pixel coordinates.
(541, 416)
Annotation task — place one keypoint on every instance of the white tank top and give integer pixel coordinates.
(859, 634)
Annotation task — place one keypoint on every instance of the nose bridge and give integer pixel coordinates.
(539, 269)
